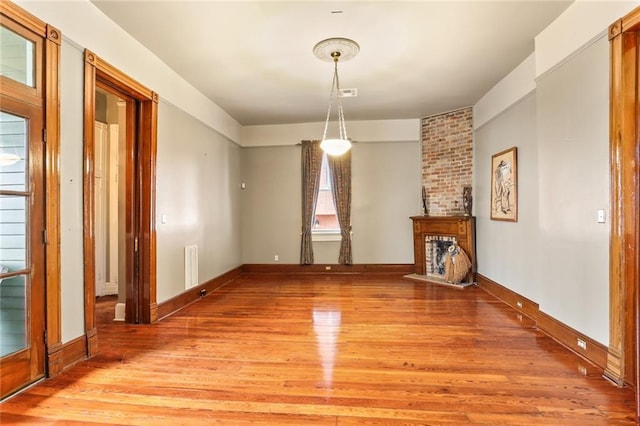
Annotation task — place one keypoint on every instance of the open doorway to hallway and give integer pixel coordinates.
(135, 170)
(109, 198)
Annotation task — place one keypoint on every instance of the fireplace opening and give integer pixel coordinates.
(435, 254)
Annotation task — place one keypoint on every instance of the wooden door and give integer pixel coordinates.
(22, 237)
(22, 208)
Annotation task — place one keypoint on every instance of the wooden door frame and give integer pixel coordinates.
(624, 148)
(146, 128)
(50, 97)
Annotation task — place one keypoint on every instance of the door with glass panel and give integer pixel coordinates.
(22, 264)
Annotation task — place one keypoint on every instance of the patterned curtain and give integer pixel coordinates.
(311, 165)
(340, 172)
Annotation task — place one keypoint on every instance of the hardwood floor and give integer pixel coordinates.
(105, 309)
(338, 350)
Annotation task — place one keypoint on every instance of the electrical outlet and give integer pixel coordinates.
(327, 268)
(582, 344)
(519, 304)
(275, 257)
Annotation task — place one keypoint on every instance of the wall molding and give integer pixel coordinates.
(65, 355)
(176, 303)
(508, 92)
(603, 33)
(595, 352)
(516, 301)
(277, 268)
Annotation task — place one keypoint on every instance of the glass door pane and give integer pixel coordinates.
(14, 267)
(13, 314)
(13, 164)
(17, 61)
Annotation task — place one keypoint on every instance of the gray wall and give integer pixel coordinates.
(271, 204)
(198, 190)
(508, 251)
(556, 254)
(71, 205)
(573, 165)
(386, 191)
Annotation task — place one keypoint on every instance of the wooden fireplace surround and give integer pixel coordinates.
(463, 228)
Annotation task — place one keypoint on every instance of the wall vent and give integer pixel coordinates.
(348, 93)
(190, 266)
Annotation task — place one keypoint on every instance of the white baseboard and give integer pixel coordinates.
(119, 316)
(106, 289)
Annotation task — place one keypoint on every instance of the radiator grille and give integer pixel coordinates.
(190, 266)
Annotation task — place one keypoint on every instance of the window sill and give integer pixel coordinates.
(326, 236)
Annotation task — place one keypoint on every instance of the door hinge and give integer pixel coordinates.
(45, 337)
(45, 239)
(44, 135)
(135, 244)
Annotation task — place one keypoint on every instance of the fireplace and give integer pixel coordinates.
(435, 249)
(433, 235)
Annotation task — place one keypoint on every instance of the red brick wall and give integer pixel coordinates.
(447, 160)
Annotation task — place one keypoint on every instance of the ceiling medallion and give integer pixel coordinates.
(325, 49)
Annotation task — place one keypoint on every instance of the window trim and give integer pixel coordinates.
(326, 235)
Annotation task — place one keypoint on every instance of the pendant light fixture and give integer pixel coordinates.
(8, 159)
(336, 49)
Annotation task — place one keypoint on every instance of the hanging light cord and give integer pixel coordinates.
(336, 85)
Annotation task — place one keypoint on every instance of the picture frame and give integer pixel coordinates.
(504, 185)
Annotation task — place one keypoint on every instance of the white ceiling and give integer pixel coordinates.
(417, 58)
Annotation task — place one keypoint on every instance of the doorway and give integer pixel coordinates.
(119, 218)
(110, 195)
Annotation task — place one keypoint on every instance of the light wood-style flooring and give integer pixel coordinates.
(329, 350)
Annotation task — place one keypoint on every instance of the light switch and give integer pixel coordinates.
(163, 218)
(601, 216)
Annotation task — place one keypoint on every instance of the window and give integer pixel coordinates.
(18, 57)
(326, 219)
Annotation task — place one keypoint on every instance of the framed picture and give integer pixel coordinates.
(504, 185)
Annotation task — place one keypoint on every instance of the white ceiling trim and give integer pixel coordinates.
(360, 131)
(581, 23)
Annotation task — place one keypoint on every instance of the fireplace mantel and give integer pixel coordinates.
(463, 228)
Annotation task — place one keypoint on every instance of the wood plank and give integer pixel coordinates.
(329, 349)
